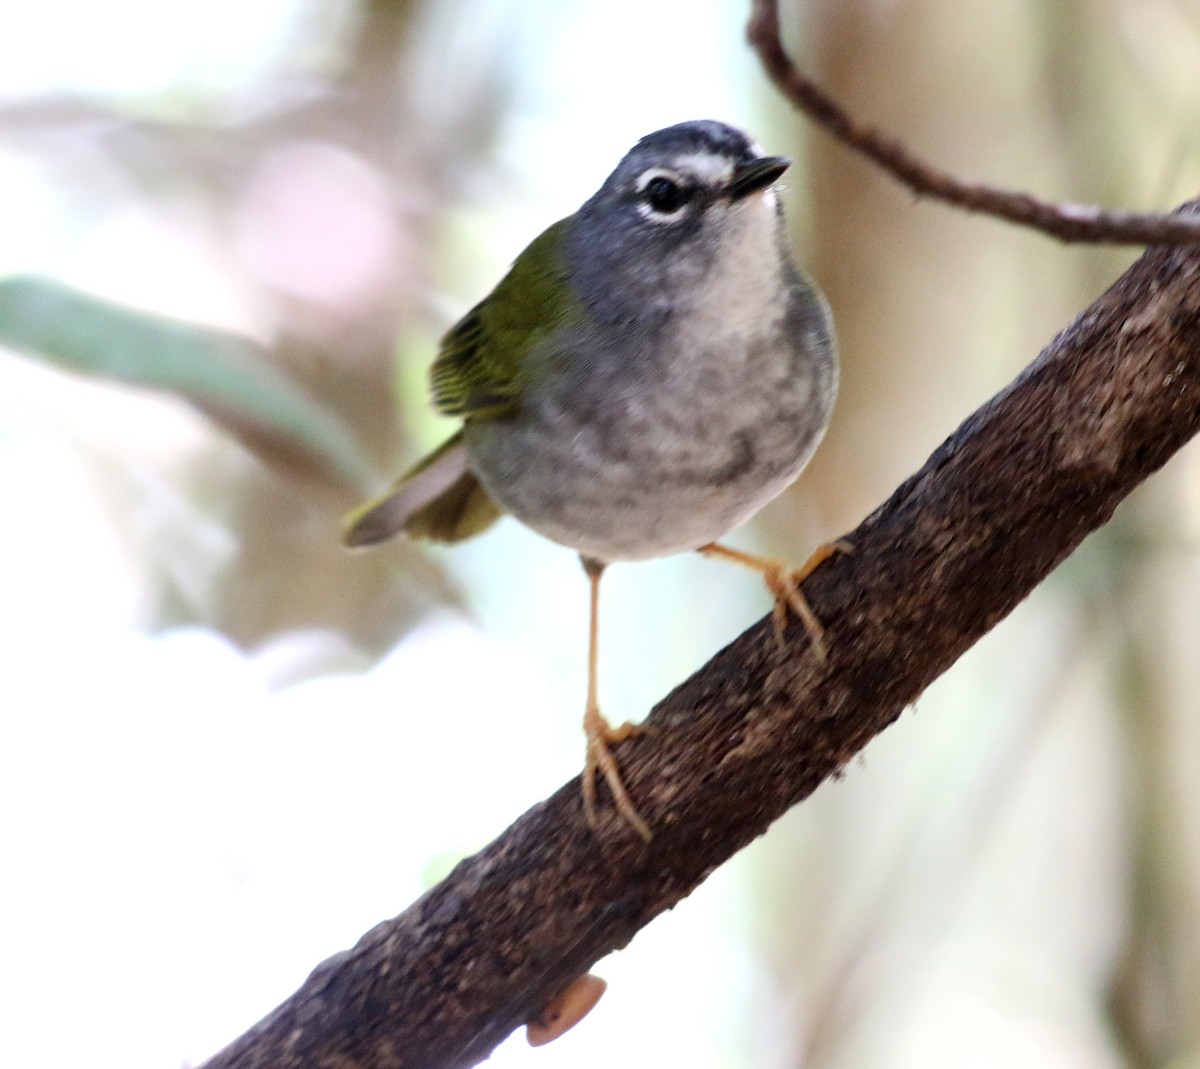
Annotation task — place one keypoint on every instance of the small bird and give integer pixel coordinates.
(651, 371)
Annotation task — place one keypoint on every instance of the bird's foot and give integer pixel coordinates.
(601, 735)
(784, 584)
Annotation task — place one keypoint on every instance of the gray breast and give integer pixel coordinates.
(662, 441)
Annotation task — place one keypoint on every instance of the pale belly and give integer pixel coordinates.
(649, 479)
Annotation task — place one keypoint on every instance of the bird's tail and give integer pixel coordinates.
(439, 499)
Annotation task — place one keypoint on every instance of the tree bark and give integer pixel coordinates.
(1010, 494)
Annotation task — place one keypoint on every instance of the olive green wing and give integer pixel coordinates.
(478, 373)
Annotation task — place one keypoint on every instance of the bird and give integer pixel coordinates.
(650, 372)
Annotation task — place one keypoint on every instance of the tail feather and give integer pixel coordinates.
(439, 499)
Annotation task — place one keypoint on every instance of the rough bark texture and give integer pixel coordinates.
(957, 546)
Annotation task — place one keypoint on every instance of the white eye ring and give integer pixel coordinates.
(657, 215)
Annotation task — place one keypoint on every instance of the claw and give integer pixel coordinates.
(784, 583)
(600, 735)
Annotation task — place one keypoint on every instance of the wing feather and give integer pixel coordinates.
(478, 370)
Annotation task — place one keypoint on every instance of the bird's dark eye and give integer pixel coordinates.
(667, 196)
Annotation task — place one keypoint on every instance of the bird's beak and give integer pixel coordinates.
(755, 175)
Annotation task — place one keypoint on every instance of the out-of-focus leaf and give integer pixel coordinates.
(228, 377)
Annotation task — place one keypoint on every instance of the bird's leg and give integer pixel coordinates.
(784, 584)
(600, 733)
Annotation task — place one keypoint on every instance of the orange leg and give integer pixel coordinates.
(600, 733)
(784, 584)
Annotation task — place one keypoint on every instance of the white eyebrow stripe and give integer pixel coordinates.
(711, 168)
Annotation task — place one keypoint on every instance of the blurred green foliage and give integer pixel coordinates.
(226, 376)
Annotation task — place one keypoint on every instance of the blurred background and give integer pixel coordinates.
(230, 236)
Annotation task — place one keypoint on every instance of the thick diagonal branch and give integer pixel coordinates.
(995, 508)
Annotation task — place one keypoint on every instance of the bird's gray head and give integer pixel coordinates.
(680, 199)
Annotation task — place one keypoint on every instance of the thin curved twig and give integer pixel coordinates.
(1067, 222)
